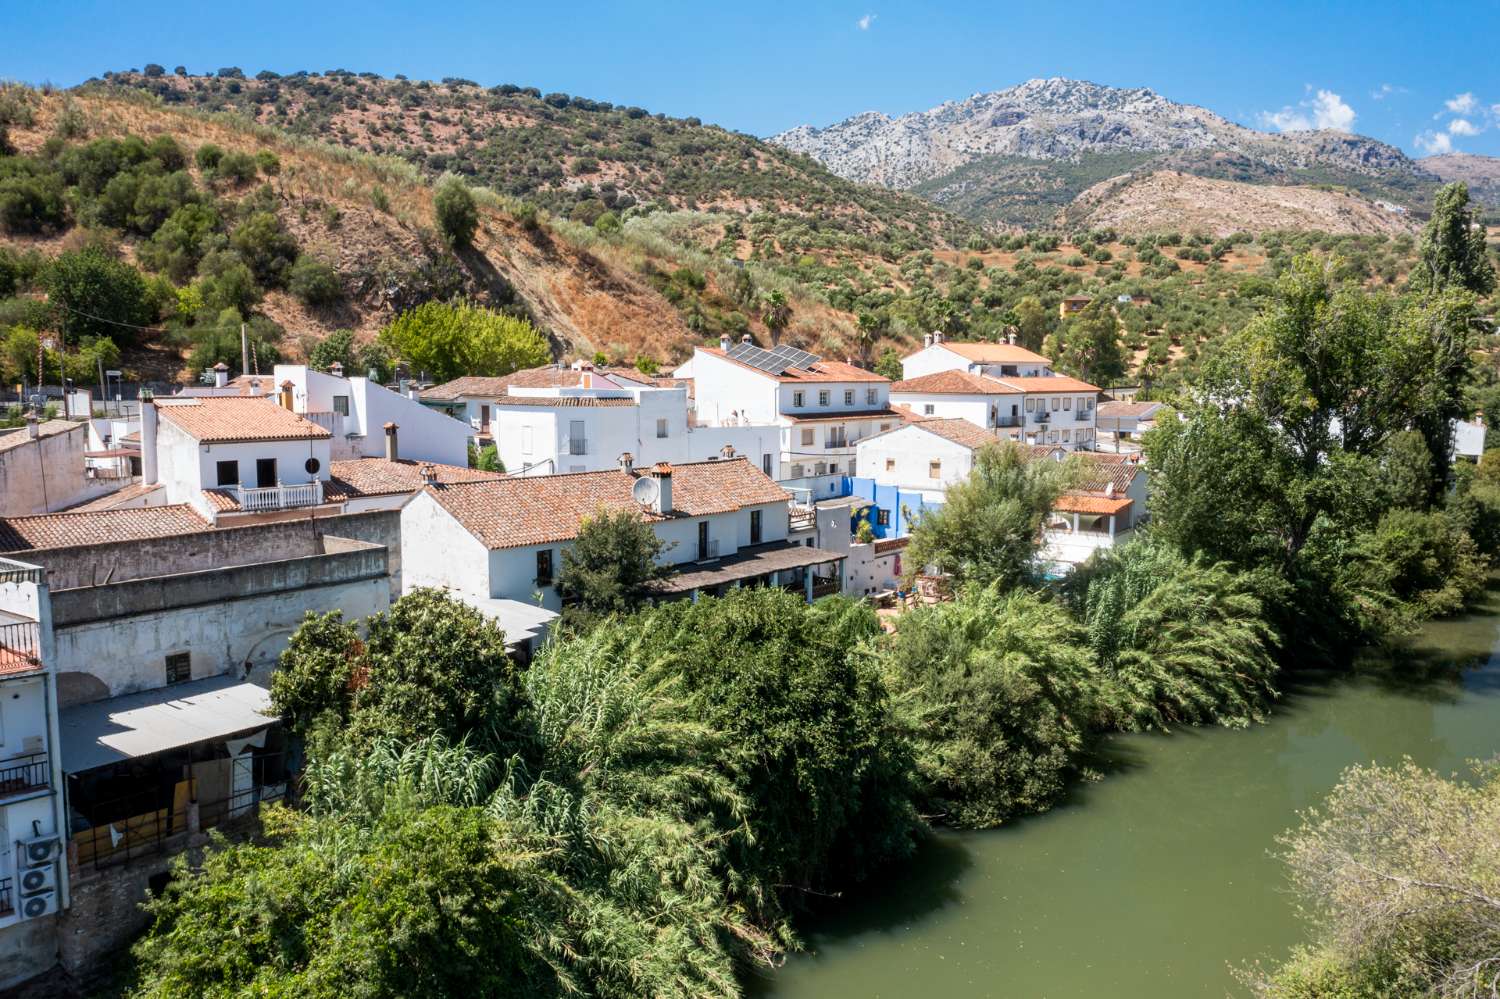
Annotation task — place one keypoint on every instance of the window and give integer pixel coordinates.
(765, 463)
(833, 468)
(661, 427)
(890, 464)
(341, 405)
(1052, 437)
(544, 567)
(884, 427)
(823, 397)
(796, 471)
(1065, 435)
(848, 397)
(484, 416)
(577, 443)
(1068, 404)
(820, 468)
(837, 437)
(179, 667)
(755, 527)
(265, 472)
(798, 400)
(702, 539)
(1056, 402)
(928, 409)
(229, 473)
(883, 517)
(1030, 405)
(934, 469)
(871, 396)
(807, 436)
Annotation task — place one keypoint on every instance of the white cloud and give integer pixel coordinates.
(865, 22)
(1433, 143)
(1462, 104)
(1325, 109)
(1385, 90)
(1462, 126)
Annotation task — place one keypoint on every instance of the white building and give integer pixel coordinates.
(1127, 420)
(924, 457)
(1105, 505)
(997, 360)
(33, 871)
(43, 468)
(725, 523)
(823, 408)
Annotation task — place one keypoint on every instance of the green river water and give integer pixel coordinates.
(1158, 879)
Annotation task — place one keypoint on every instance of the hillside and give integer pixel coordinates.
(1012, 156)
(1164, 200)
(1481, 173)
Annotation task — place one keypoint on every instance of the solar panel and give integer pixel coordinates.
(795, 358)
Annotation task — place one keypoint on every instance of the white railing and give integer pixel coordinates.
(281, 497)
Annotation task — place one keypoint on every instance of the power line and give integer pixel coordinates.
(112, 322)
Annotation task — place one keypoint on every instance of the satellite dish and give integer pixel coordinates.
(645, 491)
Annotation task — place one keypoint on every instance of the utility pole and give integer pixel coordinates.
(244, 351)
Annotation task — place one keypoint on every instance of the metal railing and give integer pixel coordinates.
(12, 571)
(20, 647)
(281, 497)
(1041, 417)
(1007, 421)
(578, 445)
(25, 773)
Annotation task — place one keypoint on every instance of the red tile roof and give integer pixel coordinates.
(959, 431)
(819, 371)
(856, 414)
(1098, 471)
(228, 419)
(1048, 383)
(379, 477)
(1087, 503)
(566, 401)
(1128, 410)
(97, 527)
(117, 498)
(953, 383)
(518, 511)
(483, 386)
(995, 353)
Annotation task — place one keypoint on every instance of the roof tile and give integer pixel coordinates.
(97, 527)
(227, 419)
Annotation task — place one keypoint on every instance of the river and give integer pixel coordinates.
(1158, 879)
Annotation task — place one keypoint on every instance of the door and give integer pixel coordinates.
(702, 540)
(242, 783)
(265, 472)
(484, 417)
(577, 443)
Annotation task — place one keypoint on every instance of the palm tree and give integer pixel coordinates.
(776, 313)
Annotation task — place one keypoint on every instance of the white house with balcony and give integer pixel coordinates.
(1039, 410)
(1103, 509)
(33, 868)
(823, 408)
(499, 544)
(997, 360)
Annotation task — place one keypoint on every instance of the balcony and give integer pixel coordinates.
(1042, 417)
(24, 774)
(20, 647)
(258, 500)
(1084, 417)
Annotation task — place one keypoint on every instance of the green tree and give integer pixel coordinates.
(457, 214)
(1034, 322)
(265, 245)
(314, 281)
(988, 529)
(447, 340)
(1089, 344)
(776, 313)
(610, 568)
(867, 329)
(889, 365)
(97, 295)
(336, 347)
(1453, 252)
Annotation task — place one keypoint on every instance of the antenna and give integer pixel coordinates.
(645, 491)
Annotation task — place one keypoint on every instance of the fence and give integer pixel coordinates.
(20, 647)
(281, 497)
(21, 774)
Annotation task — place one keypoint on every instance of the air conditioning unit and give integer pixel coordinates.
(35, 880)
(38, 851)
(36, 906)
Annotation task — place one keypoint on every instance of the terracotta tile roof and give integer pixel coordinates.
(889, 412)
(1089, 503)
(224, 419)
(953, 383)
(482, 386)
(379, 477)
(45, 428)
(959, 431)
(1048, 383)
(1097, 472)
(222, 500)
(532, 510)
(820, 371)
(96, 527)
(1127, 410)
(995, 353)
(118, 498)
(553, 401)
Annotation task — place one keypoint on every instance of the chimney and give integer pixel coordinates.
(937, 336)
(662, 473)
(148, 439)
(32, 431)
(1012, 338)
(926, 339)
(627, 462)
(726, 452)
(286, 395)
(427, 472)
(255, 386)
(723, 341)
(746, 339)
(336, 369)
(391, 452)
(221, 375)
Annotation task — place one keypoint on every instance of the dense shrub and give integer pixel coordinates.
(265, 245)
(314, 282)
(457, 214)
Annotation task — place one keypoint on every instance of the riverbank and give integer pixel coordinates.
(1156, 880)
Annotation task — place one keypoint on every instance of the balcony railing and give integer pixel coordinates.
(12, 571)
(1083, 416)
(281, 497)
(24, 774)
(1007, 421)
(1041, 417)
(20, 647)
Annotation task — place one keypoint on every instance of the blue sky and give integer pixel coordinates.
(1424, 77)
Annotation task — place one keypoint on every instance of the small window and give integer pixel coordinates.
(1065, 435)
(798, 400)
(848, 397)
(341, 405)
(883, 517)
(823, 397)
(755, 527)
(544, 567)
(765, 463)
(1056, 402)
(796, 471)
(265, 472)
(884, 427)
(1030, 405)
(179, 667)
(807, 436)
(661, 427)
(934, 469)
(1068, 403)
(928, 409)
(871, 396)
(890, 464)
(229, 473)
(833, 468)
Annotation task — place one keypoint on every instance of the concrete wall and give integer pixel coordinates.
(47, 474)
(210, 549)
(850, 397)
(27, 949)
(440, 552)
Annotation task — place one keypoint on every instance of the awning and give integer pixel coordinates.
(152, 721)
(520, 621)
(747, 563)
